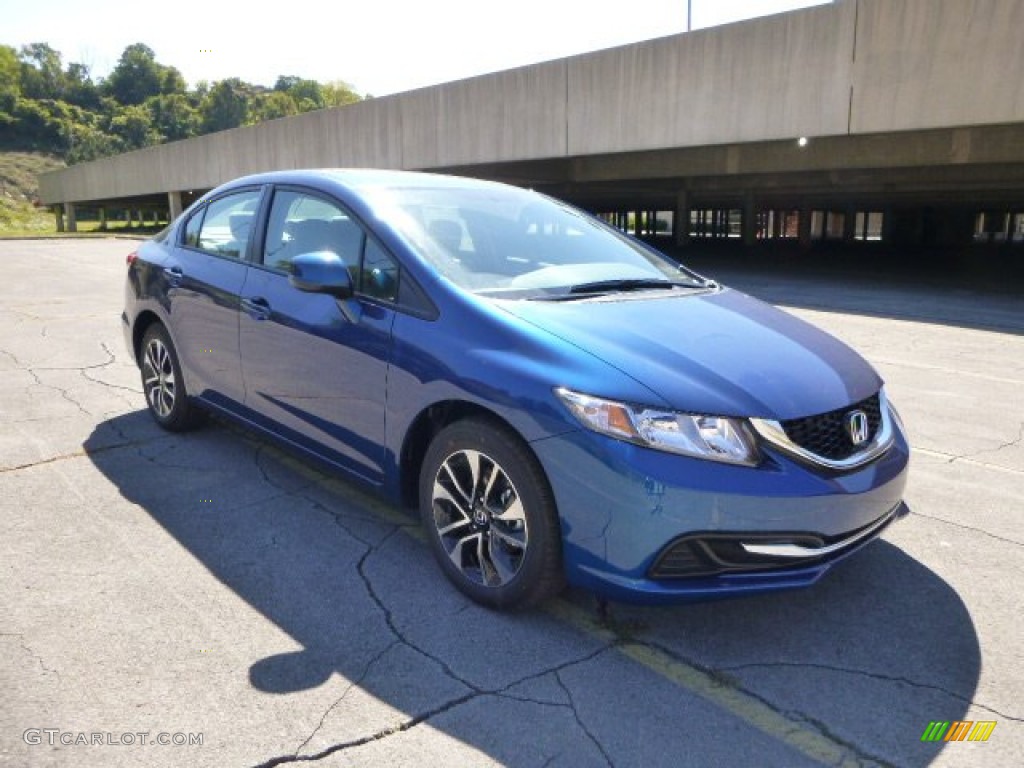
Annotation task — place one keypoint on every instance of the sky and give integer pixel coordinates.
(377, 46)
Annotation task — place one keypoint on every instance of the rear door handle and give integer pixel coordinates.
(174, 276)
(256, 307)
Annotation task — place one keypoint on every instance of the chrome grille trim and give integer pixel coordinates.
(773, 432)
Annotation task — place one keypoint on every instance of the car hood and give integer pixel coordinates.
(720, 352)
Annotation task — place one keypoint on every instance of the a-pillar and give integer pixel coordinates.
(681, 219)
(58, 214)
(749, 223)
(174, 204)
(69, 213)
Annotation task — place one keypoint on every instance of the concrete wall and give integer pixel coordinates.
(778, 77)
(850, 67)
(934, 63)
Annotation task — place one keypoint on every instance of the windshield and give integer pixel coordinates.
(512, 243)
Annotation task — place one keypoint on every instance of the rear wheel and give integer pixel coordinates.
(163, 384)
(490, 515)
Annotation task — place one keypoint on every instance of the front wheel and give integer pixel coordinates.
(490, 515)
(163, 384)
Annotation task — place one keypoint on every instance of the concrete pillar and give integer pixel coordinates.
(174, 204)
(637, 216)
(103, 219)
(69, 212)
(887, 228)
(804, 227)
(681, 219)
(58, 213)
(849, 224)
(748, 223)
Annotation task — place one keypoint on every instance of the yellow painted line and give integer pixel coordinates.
(697, 681)
(690, 678)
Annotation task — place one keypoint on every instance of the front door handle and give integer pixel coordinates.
(256, 307)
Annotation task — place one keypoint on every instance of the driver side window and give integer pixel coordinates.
(301, 223)
(304, 223)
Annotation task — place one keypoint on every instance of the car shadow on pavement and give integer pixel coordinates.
(865, 659)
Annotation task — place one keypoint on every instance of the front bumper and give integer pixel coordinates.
(625, 508)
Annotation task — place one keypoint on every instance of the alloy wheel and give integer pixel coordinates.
(158, 378)
(480, 519)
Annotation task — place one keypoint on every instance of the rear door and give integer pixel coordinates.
(206, 276)
(315, 367)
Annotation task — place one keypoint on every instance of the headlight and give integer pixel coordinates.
(718, 438)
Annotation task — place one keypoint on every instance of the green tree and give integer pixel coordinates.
(42, 73)
(286, 82)
(173, 116)
(272, 105)
(136, 77)
(134, 126)
(225, 106)
(172, 81)
(86, 142)
(338, 93)
(79, 88)
(308, 95)
(10, 71)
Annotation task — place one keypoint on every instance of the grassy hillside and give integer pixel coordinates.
(19, 188)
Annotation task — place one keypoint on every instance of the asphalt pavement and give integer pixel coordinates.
(209, 600)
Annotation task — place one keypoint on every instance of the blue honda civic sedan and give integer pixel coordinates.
(562, 403)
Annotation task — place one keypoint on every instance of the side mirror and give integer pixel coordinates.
(321, 272)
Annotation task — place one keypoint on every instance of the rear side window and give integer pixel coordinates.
(224, 227)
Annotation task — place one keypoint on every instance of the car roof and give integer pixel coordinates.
(368, 178)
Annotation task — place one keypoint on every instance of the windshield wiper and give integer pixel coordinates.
(630, 284)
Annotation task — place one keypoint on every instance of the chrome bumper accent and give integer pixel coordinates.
(802, 552)
(773, 432)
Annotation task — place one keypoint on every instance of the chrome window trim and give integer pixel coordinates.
(773, 432)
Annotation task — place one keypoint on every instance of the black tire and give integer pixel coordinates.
(494, 528)
(162, 383)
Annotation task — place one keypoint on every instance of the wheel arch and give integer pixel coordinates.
(142, 323)
(421, 432)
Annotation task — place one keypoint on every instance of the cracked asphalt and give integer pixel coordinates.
(212, 584)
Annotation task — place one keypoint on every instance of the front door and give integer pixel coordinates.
(315, 367)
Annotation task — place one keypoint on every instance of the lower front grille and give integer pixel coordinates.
(825, 434)
(712, 554)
